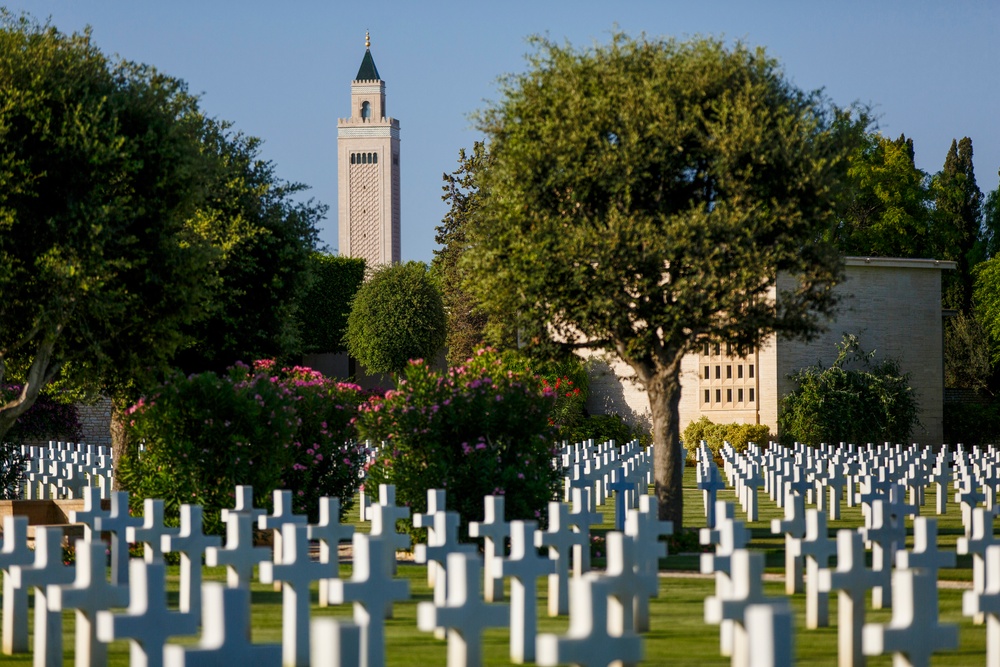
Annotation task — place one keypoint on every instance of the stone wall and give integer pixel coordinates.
(95, 421)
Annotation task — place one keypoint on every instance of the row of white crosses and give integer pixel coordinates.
(828, 476)
(604, 469)
(64, 470)
(609, 609)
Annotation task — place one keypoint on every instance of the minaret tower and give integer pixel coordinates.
(368, 171)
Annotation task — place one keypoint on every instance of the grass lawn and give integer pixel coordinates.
(678, 636)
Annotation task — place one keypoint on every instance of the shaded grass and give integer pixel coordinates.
(678, 636)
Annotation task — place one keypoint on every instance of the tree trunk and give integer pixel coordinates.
(120, 437)
(664, 389)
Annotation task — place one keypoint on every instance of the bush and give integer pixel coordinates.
(716, 435)
(856, 400)
(602, 428)
(204, 434)
(476, 430)
(396, 316)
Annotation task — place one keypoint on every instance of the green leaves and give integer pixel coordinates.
(396, 316)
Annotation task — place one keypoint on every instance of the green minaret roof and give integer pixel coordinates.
(368, 71)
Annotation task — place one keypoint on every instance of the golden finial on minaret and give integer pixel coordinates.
(368, 40)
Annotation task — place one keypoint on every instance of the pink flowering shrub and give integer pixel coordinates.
(273, 429)
(476, 430)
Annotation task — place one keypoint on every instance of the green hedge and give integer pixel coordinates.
(737, 435)
(326, 303)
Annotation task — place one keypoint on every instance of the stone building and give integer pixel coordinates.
(892, 305)
(368, 213)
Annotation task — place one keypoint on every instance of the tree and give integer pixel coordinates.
(958, 206)
(265, 240)
(990, 234)
(644, 196)
(467, 322)
(396, 316)
(102, 170)
(888, 210)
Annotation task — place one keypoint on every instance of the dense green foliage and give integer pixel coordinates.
(479, 429)
(272, 429)
(397, 315)
(467, 322)
(972, 423)
(967, 362)
(264, 238)
(857, 399)
(888, 208)
(102, 169)
(324, 306)
(645, 194)
(958, 207)
(716, 435)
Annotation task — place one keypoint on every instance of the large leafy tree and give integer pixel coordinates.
(646, 195)
(101, 170)
(265, 238)
(888, 210)
(958, 207)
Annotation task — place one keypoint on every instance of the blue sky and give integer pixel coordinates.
(282, 70)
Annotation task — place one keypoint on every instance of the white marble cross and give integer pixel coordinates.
(240, 555)
(986, 604)
(464, 615)
(793, 526)
(885, 536)
(914, 632)
(588, 642)
(335, 643)
(330, 533)
(524, 566)
(817, 548)
(560, 539)
(853, 579)
(89, 593)
(581, 518)
(373, 591)
(225, 637)
(645, 528)
(147, 623)
(746, 574)
(710, 484)
(151, 532)
(283, 514)
(976, 544)
(15, 551)
(191, 542)
(968, 497)
(925, 554)
(47, 569)
(297, 572)
(628, 584)
(117, 522)
(244, 504)
(770, 632)
(442, 540)
(494, 530)
(384, 516)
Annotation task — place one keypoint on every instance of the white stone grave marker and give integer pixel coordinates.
(147, 623)
(464, 615)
